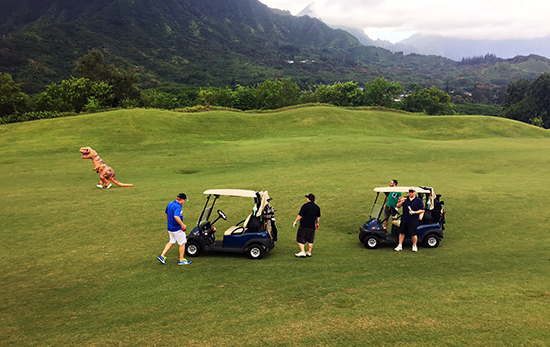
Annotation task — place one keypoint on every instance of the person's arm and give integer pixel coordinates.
(420, 210)
(178, 219)
(400, 203)
(296, 220)
(317, 222)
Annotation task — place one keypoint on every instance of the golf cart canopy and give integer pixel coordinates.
(232, 192)
(403, 189)
(262, 197)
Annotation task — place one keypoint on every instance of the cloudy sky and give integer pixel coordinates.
(394, 20)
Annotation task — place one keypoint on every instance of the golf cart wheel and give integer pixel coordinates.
(432, 241)
(193, 249)
(371, 241)
(255, 251)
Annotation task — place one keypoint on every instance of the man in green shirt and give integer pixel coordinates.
(390, 209)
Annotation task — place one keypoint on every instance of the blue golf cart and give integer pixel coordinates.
(430, 229)
(255, 235)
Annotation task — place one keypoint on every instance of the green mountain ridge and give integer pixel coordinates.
(214, 42)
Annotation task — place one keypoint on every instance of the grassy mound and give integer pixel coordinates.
(78, 263)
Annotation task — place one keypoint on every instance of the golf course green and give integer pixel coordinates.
(78, 264)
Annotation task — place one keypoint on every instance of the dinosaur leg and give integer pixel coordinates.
(104, 181)
(100, 184)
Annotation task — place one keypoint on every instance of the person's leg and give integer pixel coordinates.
(414, 240)
(182, 252)
(302, 247)
(310, 247)
(401, 239)
(166, 249)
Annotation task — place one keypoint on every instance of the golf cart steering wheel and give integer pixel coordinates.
(222, 215)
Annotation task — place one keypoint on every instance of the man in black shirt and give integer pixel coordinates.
(308, 217)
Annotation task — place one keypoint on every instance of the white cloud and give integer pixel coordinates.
(469, 19)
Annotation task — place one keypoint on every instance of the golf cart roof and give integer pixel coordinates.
(402, 189)
(232, 192)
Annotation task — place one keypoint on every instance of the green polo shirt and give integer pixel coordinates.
(393, 199)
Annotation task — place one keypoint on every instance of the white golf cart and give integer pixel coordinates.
(255, 234)
(430, 229)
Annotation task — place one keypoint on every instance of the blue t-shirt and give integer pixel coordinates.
(415, 205)
(174, 210)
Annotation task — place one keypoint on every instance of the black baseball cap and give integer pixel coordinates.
(311, 197)
(182, 196)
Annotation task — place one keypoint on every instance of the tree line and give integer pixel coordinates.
(529, 101)
(100, 86)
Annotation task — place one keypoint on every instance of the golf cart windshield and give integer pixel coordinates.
(376, 209)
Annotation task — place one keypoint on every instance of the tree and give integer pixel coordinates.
(245, 98)
(380, 92)
(529, 102)
(540, 92)
(74, 94)
(12, 100)
(430, 100)
(516, 92)
(277, 94)
(93, 67)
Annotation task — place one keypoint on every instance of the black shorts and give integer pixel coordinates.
(410, 229)
(390, 211)
(305, 235)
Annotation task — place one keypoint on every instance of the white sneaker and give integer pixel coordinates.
(308, 254)
(109, 186)
(300, 255)
(100, 185)
(415, 249)
(398, 248)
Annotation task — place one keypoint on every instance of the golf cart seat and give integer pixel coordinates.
(235, 229)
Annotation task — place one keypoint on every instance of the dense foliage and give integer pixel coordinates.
(103, 86)
(529, 102)
(12, 100)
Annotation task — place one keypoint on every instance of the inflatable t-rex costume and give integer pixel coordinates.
(106, 173)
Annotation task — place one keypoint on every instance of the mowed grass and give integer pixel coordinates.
(78, 264)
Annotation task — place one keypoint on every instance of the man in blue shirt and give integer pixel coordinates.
(176, 229)
(412, 208)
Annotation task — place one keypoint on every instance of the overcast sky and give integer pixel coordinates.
(397, 19)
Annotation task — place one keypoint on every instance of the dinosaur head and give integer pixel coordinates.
(87, 152)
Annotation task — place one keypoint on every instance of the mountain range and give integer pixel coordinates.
(452, 48)
(218, 43)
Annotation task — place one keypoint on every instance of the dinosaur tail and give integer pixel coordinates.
(120, 184)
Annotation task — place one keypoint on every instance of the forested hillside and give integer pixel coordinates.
(218, 43)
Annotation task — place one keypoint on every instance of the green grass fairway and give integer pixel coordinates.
(78, 264)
